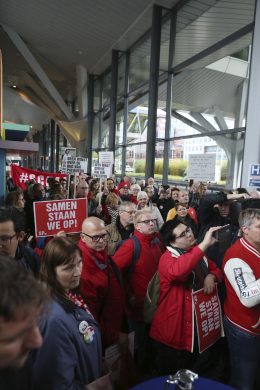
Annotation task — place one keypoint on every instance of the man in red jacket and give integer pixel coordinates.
(241, 266)
(183, 268)
(137, 281)
(100, 282)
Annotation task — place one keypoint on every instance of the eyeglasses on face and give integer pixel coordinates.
(4, 240)
(184, 233)
(105, 237)
(147, 221)
(130, 212)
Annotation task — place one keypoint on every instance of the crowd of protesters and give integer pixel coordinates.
(90, 287)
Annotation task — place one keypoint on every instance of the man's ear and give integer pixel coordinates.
(20, 236)
(244, 229)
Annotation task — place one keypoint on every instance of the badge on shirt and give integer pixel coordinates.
(89, 335)
(83, 327)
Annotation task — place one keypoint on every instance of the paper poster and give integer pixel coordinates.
(202, 167)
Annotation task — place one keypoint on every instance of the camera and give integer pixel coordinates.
(223, 233)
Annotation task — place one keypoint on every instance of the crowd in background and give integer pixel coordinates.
(97, 281)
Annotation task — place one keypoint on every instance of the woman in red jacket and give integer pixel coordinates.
(183, 268)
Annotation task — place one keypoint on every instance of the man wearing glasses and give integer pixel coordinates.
(101, 282)
(137, 280)
(183, 268)
(123, 228)
(11, 240)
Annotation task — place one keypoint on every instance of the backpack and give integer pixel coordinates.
(137, 250)
(151, 298)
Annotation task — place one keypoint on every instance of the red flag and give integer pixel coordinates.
(21, 175)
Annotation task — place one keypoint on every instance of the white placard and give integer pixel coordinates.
(202, 167)
(102, 171)
(74, 165)
(106, 158)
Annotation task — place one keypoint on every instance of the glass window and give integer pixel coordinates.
(139, 67)
(106, 89)
(136, 159)
(96, 103)
(118, 161)
(137, 125)
(224, 147)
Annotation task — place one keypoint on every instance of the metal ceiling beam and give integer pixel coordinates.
(33, 63)
(219, 118)
(202, 121)
(212, 49)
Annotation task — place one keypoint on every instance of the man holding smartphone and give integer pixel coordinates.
(241, 267)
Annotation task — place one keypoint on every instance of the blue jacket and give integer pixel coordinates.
(65, 360)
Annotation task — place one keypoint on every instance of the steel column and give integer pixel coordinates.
(113, 101)
(166, 154)
(90, 120)
(153, 89)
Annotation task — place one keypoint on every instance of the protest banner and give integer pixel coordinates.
(209, 318)
(21, 175)
(202, 167)
(50, 217)
(74, 165)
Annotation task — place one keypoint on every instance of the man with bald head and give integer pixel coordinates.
(101, 282)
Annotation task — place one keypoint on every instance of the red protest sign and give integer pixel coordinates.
(50, 217)
(21, 175)
(209, 318)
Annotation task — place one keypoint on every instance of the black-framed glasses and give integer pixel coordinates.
(184, 233)
(6, 239)
(105, 237)
(147, 221)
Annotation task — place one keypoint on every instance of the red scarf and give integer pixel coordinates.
(79, 301)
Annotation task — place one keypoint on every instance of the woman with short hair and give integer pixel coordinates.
(143, 201)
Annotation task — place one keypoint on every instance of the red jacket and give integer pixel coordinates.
(150, 252)
(173, 322)
(104, 296)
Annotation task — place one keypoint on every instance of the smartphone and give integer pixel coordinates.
(222, 233)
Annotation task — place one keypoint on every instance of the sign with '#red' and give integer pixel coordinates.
(21, 175)
(209, 318)
(50, 217)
